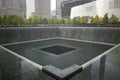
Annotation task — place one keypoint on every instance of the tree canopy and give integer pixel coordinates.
(18, 20)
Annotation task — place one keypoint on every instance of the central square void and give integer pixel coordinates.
(57, 49)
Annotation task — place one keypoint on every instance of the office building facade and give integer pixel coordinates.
(68, 4)
(99, 7)
(58, 8)
(13, 7)
(0, 2)
(42, 8)
(88, 9)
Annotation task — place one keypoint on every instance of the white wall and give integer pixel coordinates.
(100, 8)
(88, 9)
(30, 5)
(108, 6)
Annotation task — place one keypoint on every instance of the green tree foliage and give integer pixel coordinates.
(56, 21)
(68, 21)
(53, 21)
(95, 20)
(63, 21)
(12, 20)
(83, 19)
(76, 21)
(92, 20)
(114, 19)
(41, 21)
(18, 20)
(106, 18)
(35, 20)
(59, 21)
(29, 21)
(45, 21)
(0, 20)
(4, 19)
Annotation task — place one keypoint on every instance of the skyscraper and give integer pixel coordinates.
(58, 8)
(42, 8)
(16, 7)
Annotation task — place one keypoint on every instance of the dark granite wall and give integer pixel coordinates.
(100, 34)
(24, 34)
(112, 65)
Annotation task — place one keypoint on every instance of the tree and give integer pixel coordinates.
(12, 20)
(0, 20)
(45, 21)
(29, 21)
(83, 19)
(52, 21)
(76, 20)
(68, 21)
(105, 18)
(40, 20)
(96, 20)
(92, 20)
(35, 20)
(62, 21)
(114, 19)
(4, 19)
(21, 20)
(101, 20)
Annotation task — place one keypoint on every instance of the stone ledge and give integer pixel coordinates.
(62, 74)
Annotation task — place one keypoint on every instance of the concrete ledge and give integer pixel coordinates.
(62, 74)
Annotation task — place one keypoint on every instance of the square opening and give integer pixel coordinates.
(57, 49)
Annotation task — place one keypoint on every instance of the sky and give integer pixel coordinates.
(31, 8)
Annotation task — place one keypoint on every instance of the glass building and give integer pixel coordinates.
(58, 8)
